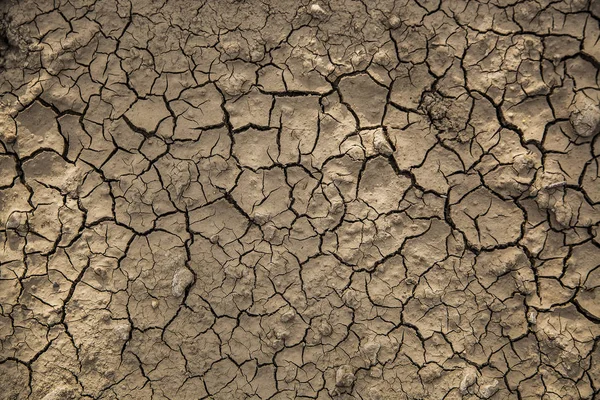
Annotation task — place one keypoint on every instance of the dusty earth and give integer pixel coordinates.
(244, 199)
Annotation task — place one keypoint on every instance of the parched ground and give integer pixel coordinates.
(245, 199)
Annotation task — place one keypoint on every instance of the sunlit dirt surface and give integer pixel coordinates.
(244, 199)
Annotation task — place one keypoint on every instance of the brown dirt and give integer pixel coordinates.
(244, 199)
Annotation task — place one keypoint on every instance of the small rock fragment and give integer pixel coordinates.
(181, 280)
(532, 317)
(585, 117)
(261, 218)
(122, 331)
(317, 11)
(524, 163)
(381, 144)
(489, 389)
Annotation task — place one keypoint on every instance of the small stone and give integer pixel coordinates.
(524, 163)
(60, 393)
(261, 218)
(181, 280)
(410, 281)
(532, 317)
(122, 331)
(317, 11)
(394, 21)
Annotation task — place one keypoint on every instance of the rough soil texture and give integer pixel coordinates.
(245, 199)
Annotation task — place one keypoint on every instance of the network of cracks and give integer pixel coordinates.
(276, 199)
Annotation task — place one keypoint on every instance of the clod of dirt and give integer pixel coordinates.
(551, 194)
(324, 328)
(8, 128)
(182, 279)
(370, 351)
(18, 222)
(487, 390)
(468, 380)
(61, 393)
(585, 117)
(446, 114)
(13, 48)
(344, 377)
(381, 144)
(288, 316)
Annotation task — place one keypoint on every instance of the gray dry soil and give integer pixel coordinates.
(246, 199)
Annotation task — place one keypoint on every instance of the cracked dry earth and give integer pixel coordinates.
(246, 199)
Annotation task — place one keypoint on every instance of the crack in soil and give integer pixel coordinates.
(343, 199)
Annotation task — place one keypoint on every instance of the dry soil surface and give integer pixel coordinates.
(245, 199)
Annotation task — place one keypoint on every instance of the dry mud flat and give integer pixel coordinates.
(240, 199)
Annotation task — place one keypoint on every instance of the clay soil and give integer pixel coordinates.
(276, 199)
